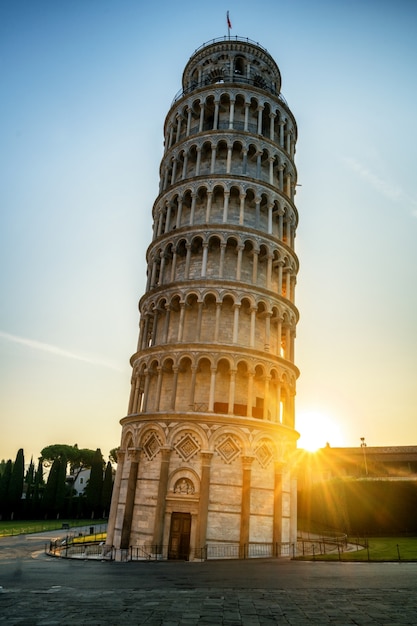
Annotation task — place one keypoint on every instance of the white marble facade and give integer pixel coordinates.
(206, 446)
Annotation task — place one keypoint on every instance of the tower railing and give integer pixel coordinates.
(227, 38)
(235, 78)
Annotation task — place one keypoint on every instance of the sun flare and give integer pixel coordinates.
(316, 429)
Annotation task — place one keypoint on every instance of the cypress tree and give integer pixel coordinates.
(95, 484)
(38, 487)
(107, 490)
(4, 489)
(16, 483)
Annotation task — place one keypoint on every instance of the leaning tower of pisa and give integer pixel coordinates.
(204, 465)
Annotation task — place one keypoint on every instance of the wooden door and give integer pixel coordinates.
(179, 536)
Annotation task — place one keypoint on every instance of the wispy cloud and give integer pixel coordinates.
(66, 354)
(386, 188)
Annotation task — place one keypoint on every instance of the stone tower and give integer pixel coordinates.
(204, 463)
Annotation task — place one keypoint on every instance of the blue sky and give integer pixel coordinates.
(86, 86)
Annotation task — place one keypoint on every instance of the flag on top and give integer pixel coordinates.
(229, 23)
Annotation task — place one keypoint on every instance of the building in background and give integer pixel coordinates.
(206, 444)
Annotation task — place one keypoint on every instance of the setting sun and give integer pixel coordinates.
(316, 429)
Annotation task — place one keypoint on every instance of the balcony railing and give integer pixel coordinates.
(234, 79)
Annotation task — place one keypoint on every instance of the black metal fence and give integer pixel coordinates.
(210, 552)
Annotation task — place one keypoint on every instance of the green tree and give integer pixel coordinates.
(30, 474)
(107, 490)
(37, 492)
(53, 499)
(95, 484)
(4, 489)
(16, 483)
(113, 455)
(78, 458)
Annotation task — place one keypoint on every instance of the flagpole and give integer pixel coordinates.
(229, 24)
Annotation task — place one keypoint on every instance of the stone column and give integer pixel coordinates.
(168, 218)
(192, 211)
(246, 125)
(240, 249)
(242, 209)
(231, 114)
(187, 260)
(271, 126)
(266, 396)
(174, 264)
(146, 390)
(184, 166)
(115, 498)
(198, 164)
(255, 267)
(174, 387)
(278, 396)
(171, 135)
(212, 389)
(130, 499)
(269, 271)
(208, 209)
(281, 177)
(174, 170)
(213, 159)
(179, 119)
(252, 326)
(154, 326)
(258, 164)
(222, 253)
(158, 532)
(192, 387)
(245, 506)
(181, 321)
(231, 399)
(188, 121)
(236, 308)
(267, 331)
(178, 224)
(270, 210)
(293, 511)
(229, 159)
(133, 385)
(166, 324)
(217, 324)
(280, 223)
(271, 160)
(281, 132)
(260, 109)
(200, 127)
(250, 393)
(141, 332)
(244, 163)
(277, 522)
(204, 261)
(216, 115)
(204, 499)
(226, 206)
(199, 320)
(158, 387)
(280, 268)
(154, 270)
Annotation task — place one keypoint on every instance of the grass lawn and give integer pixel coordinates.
(378, 549)
(26, 527)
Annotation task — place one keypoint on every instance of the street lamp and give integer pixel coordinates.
(363, 446)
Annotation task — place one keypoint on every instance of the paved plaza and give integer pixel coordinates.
(40, 590)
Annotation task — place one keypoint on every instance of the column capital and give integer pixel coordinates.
(133, 454)
(206, 457)
(247, 462)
